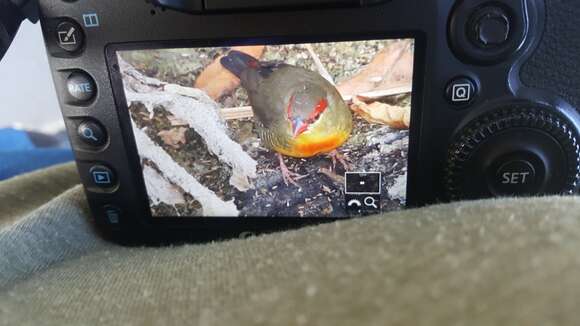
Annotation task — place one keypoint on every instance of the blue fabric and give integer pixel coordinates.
(19, 155)
(12, 139)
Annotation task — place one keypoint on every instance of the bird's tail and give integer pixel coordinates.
(236, 62)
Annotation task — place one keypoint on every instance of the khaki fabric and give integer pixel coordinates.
(507, 262)
(23, 194)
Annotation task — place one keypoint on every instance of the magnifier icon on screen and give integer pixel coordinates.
(89, 134)
(371, 202)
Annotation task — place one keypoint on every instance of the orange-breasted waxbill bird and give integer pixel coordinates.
(298, 112)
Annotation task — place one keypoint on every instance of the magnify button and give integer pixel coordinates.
(88, 133)
(92, 133)
(371, 202)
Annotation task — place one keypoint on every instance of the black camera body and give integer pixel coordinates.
(495, 94)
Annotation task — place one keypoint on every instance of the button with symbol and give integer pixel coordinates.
(461, 91)
(372, 202)
(81, 87)
(362, 192)
(514, 177)
(353, 203)
(363, 204)
(102, 176)
(92, 133)
(69, 36)
(112, 214)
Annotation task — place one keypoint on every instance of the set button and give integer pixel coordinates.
(515, 177)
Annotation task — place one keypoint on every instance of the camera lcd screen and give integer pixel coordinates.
(311, 130)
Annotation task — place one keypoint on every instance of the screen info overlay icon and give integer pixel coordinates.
(362, 191)
(362, 183)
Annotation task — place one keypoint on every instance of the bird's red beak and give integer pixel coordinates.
(298, 127)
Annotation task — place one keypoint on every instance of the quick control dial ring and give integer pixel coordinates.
(516, 150)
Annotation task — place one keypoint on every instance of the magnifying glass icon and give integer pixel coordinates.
(89, 134)
(371, 202)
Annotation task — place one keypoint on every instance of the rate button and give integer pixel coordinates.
(80, 87)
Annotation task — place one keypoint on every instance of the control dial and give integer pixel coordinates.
(518, 150)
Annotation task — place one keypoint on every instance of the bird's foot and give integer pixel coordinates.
(287, 175)
(340, 158)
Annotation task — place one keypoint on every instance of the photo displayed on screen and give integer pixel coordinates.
(317, 130)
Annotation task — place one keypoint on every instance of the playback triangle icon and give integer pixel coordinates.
(102, 176)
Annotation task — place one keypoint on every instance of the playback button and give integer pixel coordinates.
(102, 176)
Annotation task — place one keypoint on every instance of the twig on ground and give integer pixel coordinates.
(200, 112)
(211, 204)
(319, 65)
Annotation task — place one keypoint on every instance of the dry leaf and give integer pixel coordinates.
(394, 116)
(173, 137)
(392, 67)
(217, 81)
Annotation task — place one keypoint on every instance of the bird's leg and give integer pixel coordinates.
(342, 159)
(287, 175)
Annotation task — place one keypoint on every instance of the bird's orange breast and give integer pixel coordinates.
(308, 144)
